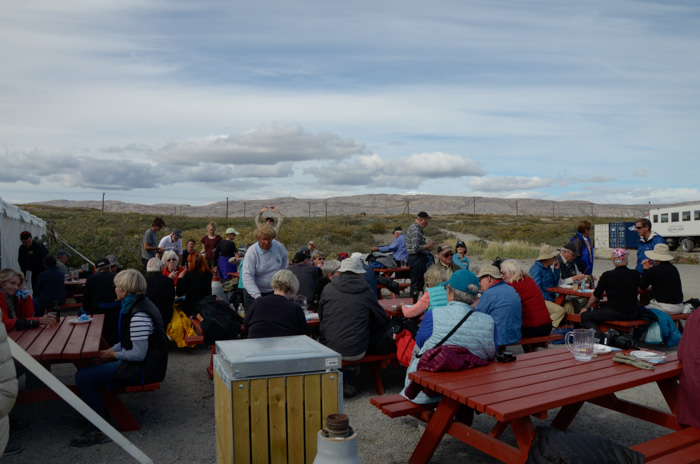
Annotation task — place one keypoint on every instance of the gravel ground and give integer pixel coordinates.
(178, 420)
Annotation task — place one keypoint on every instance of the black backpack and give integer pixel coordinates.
(219, 321)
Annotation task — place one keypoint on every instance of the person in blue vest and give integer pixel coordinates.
(500, 301)
(647, 240)
(584, 248)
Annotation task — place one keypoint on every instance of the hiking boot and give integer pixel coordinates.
(18, 425)
(13, 448)
(89, 438)
(349, 391)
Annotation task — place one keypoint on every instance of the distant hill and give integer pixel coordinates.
(378, 204)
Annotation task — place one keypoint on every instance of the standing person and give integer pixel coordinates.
(502, 302)
(140, 356)
(584, 248)
(191, 244)
(418, 250)
(194, 283)
(270, 221)
(225, 250)
(647, 241)
(62, 257)
(275, 315)
(262, 260)
(397, 248)
(50, 289)
(172, 242)
(209, 243)
(30, 256)
(312, 246)
(689, 385)
(664, 280)
(150, 241)
(460, 258)
(621, 286)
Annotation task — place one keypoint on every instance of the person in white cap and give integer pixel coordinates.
(172, 242)
(349, 312)
(225, 250)
(664, 280)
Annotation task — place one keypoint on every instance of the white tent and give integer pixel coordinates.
(12, 222)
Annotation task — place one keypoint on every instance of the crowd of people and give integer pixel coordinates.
(502, 301)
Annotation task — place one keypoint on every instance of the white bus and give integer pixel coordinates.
(679, 225)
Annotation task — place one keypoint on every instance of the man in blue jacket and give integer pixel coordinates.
(500, 301)
(647, 240)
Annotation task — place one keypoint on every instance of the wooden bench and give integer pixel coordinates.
(398, 406)
(530, 344)
(376, 361)
(402, 286)
(116, 408)
(629, 326)
(678, 447)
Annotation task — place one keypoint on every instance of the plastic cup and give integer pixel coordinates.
(75, 275)
(596, 342)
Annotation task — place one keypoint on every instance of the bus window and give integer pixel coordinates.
(656, 218)
(697, 215)
(674, 217)
(664, 217)
(686, 215)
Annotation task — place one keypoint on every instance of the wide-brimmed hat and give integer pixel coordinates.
(231, 230)
(572, 249)
(547, 252)
(660, 252)
(352, 264)
(462, 279)
(489, 270)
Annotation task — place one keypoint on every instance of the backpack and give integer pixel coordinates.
(219, 321)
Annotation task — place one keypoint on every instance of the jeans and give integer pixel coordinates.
(90, 379)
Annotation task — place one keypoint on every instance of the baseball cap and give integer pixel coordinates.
(102, 262)
(572, 249)
(178, 233)
(423, 214)
(60, 253)
(460, 280)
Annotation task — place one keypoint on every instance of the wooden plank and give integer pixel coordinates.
(93, 339)
(663, 445)
(277, 398)
(25, 338)
(295, 419)
(240, 391)
(223, 417)
(312, 414)
(54, 349)
(259, 437)
(38, 348)
(329, 394)
(74, 345)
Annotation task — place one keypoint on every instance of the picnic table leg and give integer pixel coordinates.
(669, 388)
(565, 415)
(524, 432)
(438, 425)
(119, 412)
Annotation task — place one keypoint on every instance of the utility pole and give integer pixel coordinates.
(326, 203)
(309, 209)
(244, 209)
(103, 202)
(516, 207)
(474, 205)
(226, 207)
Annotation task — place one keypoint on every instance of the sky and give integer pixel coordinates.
(154, 101)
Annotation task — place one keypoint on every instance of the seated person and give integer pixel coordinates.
(349, 311)
(546, 274)
(501, 302)
(318, 258)
(171, 267)
(689, 386)
(662, 277)
(194, 283)
(397, 248)
(305, 273)
(99, 287)
(477, 334)
(569, 275)
(50, 288)
(434, 295)
(535, 316)
(140, 357)
(621, 286)
(444, 261)
(160, 289)
(275, 315)
(460, 257)
(16, 304)
(330, 270)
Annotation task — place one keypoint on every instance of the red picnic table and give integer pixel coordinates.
(532, 385)
(68, 342)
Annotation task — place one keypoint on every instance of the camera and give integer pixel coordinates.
(505, 357)
(613, 338)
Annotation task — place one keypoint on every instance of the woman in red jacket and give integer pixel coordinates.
(536, 319)
(16, 305)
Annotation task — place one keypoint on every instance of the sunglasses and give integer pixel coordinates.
(448, 254)
(171, 259)
(638, 227)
